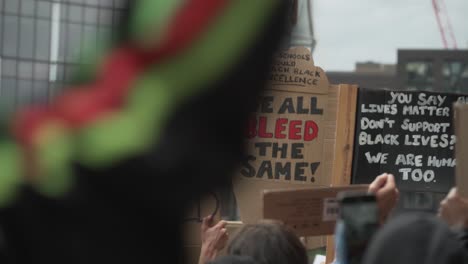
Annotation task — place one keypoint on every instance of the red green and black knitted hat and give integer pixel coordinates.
(174, 50)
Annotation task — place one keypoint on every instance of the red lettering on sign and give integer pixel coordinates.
(296, 129)
(280, 127)
(262, 127)
(310, 131)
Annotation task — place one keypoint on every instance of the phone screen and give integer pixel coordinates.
(359, 215)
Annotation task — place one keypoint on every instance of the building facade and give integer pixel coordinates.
(367, 75)
(416, 70)
(43, 41)
(433, 70)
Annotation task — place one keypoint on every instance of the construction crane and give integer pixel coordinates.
(445, 27)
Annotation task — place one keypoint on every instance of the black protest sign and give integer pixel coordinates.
(408, 134)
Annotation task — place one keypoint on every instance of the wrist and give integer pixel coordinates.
(465, 224)
(207, 253)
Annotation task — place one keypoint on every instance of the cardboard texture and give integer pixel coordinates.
(461, 148)
(317, 101)
(295, 131)
(284, 140)
(292, 143)
(294, 71)
(344, 145)
(345, 126)
(309, 212)
(291, 137)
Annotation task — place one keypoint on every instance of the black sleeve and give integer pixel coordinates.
(464, 238)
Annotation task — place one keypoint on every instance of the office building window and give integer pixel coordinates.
(455, 76)
(420, 75)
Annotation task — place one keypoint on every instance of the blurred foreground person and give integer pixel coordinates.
(415, 238)
(105, 173)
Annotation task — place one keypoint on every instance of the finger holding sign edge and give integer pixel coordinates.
(221, 224)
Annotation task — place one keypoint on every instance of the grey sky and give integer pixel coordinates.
(348, 31)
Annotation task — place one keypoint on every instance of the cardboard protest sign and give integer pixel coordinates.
(309, 212)
(461, 127)
(408, 134)
(286, 135)
(294, 71)
(285, 138)
(290, 141)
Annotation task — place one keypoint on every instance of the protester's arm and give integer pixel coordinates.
(387, 194)
(454, 209)
(213, 238)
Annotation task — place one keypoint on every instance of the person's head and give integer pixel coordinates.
(233, 260)
(415, 238)
(268, 242)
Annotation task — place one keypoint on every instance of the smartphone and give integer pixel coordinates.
(357, 223)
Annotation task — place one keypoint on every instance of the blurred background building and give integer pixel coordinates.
(367, 74)
(423, 70)
(41, 42)
(433, 70)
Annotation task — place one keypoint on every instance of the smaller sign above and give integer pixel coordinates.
(294, 71)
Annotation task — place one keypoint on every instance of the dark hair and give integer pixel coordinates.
(233, 260)
(268, 242)
(418, 238)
